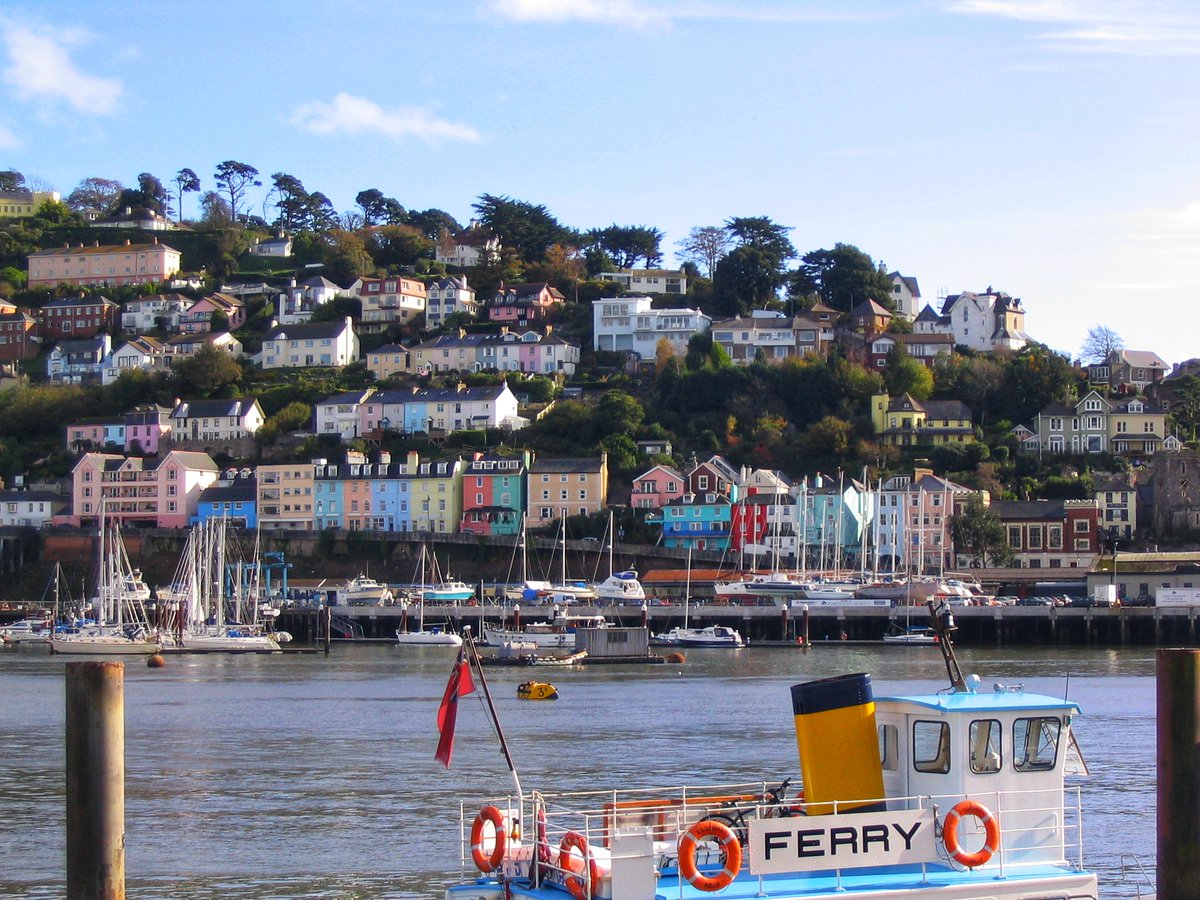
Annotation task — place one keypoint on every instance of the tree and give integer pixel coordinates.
(1186, 407)
(905, 375)
(626, 244)
(235, 178)
(746, 278)
(370, 202)
(617, 413)
(292, 202)
(293, 417)
(664, 352)
(11, 180)
(430, 222)
(347, 258)
(978, 532)
(214, 211)
(95, 193)
(398, 245)
(705, 247)
(1100, 342)
(843, 278)
(829, 439)
(762, 233)
(186, 182)
(527, 228)
(206, 374)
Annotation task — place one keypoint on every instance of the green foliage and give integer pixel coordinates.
(293, 417)
(346, 257)
(210, 373)
(337, 309)
(979, 532)
(1034, 378)
(625, 245)
(522, 226)
(905, 375)
(746, 278)
(843, 278)
(617, 413)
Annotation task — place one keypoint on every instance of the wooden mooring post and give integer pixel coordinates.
(95, 760)
(1178, 731)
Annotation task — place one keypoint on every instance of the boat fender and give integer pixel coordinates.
(487, 864)
(574, 883)
(728, 842)
(991, 826)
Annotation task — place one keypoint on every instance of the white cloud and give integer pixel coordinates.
(638, 13)
(1109, 26)
(348, 114)
(8, 140)
(40, 67)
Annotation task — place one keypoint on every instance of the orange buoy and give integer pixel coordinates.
(676, 658)
(156, 661)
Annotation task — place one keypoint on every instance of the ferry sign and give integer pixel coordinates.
(811, 843)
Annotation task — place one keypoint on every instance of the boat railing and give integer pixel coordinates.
(1038, 827)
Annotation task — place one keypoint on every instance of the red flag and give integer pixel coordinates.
(459, 685)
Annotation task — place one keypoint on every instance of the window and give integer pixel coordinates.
(931, 747)
(1035, 537)
(1035, 743)
(1081, 526)
(889, 747)
(1056, 537)
(985, 746)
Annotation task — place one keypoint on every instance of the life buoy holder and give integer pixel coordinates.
(574, 883)
(991, 841)
(484, 863)
(729, 844)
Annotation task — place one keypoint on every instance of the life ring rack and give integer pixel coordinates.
(729, 844)
(484, 863)
(991, 827)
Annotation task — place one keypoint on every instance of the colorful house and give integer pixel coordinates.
(161, 492)
(566, 486)
(657, 487)
(494, 489)
(698, 522)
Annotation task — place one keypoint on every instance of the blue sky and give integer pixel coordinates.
(1044, 147)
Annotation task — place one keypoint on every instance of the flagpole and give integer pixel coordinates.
(487, 695)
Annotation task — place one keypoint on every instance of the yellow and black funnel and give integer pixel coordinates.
(838, 743)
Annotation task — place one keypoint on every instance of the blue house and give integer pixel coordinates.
(698, 522)
(233, 498)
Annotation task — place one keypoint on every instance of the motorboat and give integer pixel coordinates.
(914, 635)
(30, 630)
(536, 690)
(556, 634)
(708, 636)
(621, 587)
(363, 590)
(959, 793)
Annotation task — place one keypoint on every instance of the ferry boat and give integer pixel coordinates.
(956, 794)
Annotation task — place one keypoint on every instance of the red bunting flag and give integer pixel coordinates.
(459, 685)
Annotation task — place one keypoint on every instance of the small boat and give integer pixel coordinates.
(709, 636)
(556, 634)
(571, 659)
(621, 587)
(30, 630)
(435, 635)
(914, 635)
(363, 590)
(956, 793)
(536, 690)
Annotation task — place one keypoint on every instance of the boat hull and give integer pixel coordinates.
(427, 639)
(104, 646)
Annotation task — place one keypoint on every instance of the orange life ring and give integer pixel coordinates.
(724, 836)
(574, 883)
(487, 864)
(472, 602)
(991, 842)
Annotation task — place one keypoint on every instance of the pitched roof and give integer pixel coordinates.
(67, 302)
(1143, 359)
(947, 409)
(1028, 509)
(307, 331)
(909, 282)
(191, 409)
(566, 464)
(103, 251)
(870, 308)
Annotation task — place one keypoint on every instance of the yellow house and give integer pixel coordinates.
(905, 422)
(435, 498)
(23, 202)
(391, 359)
(1136, 426)
(566, 487)
(285, 496)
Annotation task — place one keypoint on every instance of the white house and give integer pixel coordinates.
(469, 247)
(443, 409)
(29, 509)
(276, 246)
(73, 362)
(906, 295)
(328, 344)
(146, 353)
(299, 301)
(339, 414)
(448, 296)
(631, 324)
(985, 322)
(216, 420)
(160, 311)
(654, 281)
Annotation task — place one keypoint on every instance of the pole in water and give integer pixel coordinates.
(1178, 725)
(95, 776)
(327, 617)
(804, 613)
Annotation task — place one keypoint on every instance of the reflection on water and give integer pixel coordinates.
(306, 776)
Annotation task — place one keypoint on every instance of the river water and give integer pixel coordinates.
(299, 775)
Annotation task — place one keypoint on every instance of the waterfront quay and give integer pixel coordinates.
(979, 626)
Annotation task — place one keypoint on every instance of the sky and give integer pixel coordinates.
(1046, 148)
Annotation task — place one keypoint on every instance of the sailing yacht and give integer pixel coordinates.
(534, 591)
(120, 627)
(198, 592)
(618, 587)
(435, 636)
(709, 636)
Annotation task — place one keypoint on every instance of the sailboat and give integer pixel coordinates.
(120, 627)
(436, 636)
(709, 636)
(198, 591)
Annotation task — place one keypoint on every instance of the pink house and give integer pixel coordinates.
(656, 488)
(145, 426)
(524, 303)
(198, 317)
(163, 493)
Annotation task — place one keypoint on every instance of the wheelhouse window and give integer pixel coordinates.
(1035, 743)
(984, 737)
(889, 747)
(931, 747)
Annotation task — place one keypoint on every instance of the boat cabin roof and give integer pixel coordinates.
(995, 701)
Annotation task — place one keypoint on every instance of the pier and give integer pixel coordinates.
(980, 626)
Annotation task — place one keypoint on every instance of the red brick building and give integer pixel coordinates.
(18, 336)
(78, 317)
